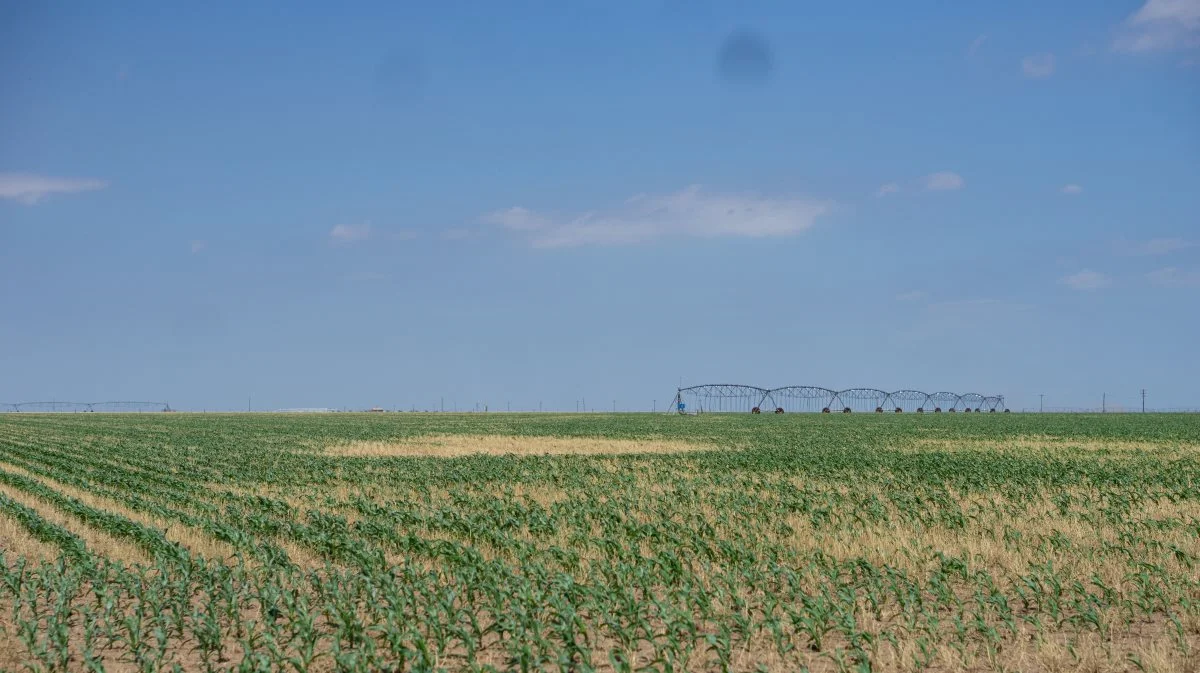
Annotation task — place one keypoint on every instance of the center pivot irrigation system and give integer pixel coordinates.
(83, 407)
(735, 398)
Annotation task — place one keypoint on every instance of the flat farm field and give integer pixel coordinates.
(540, 542)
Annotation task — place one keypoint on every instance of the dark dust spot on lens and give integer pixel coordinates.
(745, 57)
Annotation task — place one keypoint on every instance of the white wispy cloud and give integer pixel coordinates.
(28, 188)
(643, 218)
(198, 246)
(1161, 24)
(976, 44)
(1086, 280)
(944, 181)
(889, 188)
(1175, 277)
(1072, 190)
(914, 295)
(517, 219)
(1038, 66)
(350, 233)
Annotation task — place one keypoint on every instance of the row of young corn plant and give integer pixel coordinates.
(618, 563)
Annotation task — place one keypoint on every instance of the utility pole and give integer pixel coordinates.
(654, 407)
(1103, 403)
(442, 404)
(1143, 400)
(539, 405)
(247, 403)
(614, 406)
(1041, 397)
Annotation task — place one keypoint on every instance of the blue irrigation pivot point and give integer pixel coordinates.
(682, 406)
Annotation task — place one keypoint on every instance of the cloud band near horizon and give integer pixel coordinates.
(691, 212)
(29, 188)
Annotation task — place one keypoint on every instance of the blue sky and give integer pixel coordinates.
(524, 202)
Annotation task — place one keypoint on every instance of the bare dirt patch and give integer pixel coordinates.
(195, 540)
(449, 446)
(15, 542)
(97, 541)
(1026, 443)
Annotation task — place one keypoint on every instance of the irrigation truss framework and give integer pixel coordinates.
(83, 407)
(734, 398)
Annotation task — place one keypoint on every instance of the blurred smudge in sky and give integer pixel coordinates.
(745, 57)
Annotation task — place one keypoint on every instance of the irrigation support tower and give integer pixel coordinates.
(736, 397)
